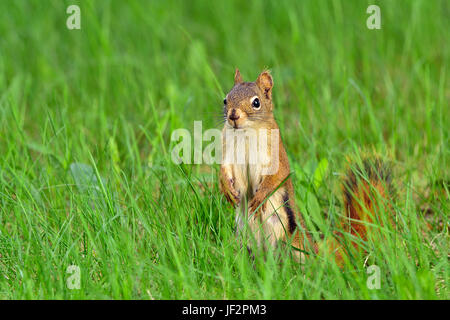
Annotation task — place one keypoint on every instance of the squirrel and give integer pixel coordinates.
(265, 200)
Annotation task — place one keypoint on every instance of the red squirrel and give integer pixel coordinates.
(265, 200)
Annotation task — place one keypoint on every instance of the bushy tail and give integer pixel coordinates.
(368, 192)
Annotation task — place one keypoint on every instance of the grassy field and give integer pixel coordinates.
(86, 117)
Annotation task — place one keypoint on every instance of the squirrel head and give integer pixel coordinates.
(249, 104)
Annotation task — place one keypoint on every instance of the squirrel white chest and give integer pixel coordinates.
(247, 177)
(249, 160)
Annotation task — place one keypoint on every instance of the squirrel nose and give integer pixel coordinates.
(233, 115)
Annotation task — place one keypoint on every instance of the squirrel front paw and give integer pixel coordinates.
(231, 194)
(256, 202)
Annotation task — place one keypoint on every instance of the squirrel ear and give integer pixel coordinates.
(265, 83)
(237, 77)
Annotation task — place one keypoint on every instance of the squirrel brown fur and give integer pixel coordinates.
(266, 201)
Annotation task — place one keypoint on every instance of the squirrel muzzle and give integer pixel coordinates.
(236, 117)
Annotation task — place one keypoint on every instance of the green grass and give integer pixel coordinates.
(86, 117)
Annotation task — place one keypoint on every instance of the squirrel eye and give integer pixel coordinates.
(225, 101)
(256, 104)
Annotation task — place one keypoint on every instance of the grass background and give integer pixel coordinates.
(85, 123)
